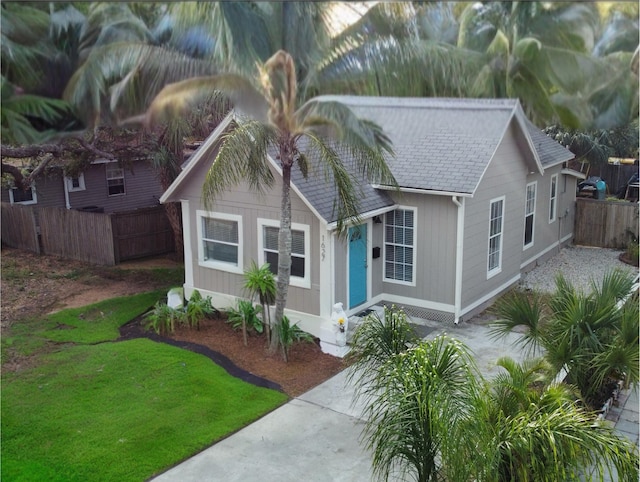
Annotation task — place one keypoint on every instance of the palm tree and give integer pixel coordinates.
(528, 428)
(415, 401)
(278, 123)
(259, 280)
(594, 336)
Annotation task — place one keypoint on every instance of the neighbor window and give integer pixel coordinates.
(529, 214)
(18, 196)
(220, 241)
(115, 179)
(268, 250)
(496, 223)
(399, 246)
(553, 198)
(75, 183)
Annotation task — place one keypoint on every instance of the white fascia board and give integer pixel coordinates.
(197, 157)
(363, 217)
(414, 190)
(519, 115)
(571, 172)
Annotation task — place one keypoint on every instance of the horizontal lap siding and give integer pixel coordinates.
(251, 206)
(435, 231)
(142, 189)
(505, 176)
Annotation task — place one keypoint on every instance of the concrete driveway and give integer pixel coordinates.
(314, 437)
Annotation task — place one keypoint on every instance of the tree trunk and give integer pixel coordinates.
(284, 244)
(173, 214)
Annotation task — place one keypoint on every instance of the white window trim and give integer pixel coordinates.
(124, 184)
(69, 181)
(498, 269)
(305, 228)
(219, 265)
(533, 213)
(34, 196)
(415, 250)
(553, 199)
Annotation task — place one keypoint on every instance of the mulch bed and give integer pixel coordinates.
(308, 366)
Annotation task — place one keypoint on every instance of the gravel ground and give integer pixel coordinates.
(578, 265)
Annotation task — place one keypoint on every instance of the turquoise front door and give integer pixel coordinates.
(357, 265)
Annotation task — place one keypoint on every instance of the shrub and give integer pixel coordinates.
(198, 308)
(245, 316)
(162, 319)
(289, 334)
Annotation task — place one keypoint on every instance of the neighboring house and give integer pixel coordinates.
(104, 186)
(484, 196)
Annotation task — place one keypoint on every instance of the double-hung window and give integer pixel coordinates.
(553, 198)
(18, 196)
(75, 183)
(220, 241)
(496, 226)
(529, 214)
(268, 231)
(115, 179)
(399, 246)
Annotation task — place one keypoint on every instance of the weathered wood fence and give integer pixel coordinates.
(96, 238)
(607, 224)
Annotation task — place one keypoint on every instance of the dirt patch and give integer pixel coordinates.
(34, 285)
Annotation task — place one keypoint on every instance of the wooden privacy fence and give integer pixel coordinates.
(19, 227)
(96, 238)
(607, 224)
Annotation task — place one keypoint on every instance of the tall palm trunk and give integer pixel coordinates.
(173, 215)
(284, 239)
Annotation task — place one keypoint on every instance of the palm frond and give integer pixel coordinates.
(154, 66)
(176, 98)
(242, 156)
(524, 310)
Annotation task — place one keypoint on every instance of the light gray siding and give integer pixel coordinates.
(435, 242)
(251, 206)
(142, 189)
(506, 176)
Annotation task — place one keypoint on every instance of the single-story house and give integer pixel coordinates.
(483, 196)
(104, 186)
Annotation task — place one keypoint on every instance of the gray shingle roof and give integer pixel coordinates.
(444, 144)
(549, 151)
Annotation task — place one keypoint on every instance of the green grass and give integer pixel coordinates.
(113, 411)
(90, 324)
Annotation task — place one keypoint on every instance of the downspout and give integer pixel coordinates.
(66, 191)
(459, 249)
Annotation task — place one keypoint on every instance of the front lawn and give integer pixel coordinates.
(112, 410)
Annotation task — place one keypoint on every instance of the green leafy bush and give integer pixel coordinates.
(289, 334)
(197, 309)
(245, 316)
(162, 319)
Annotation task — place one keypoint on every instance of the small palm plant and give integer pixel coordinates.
(163, 319)
(289, 334)
(594, 336)
(260, 281)
(197, 309)
(245, 316)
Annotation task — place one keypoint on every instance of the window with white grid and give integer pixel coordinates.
(300, 247)
(529, 214)
(399, 246)
(496, 224)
